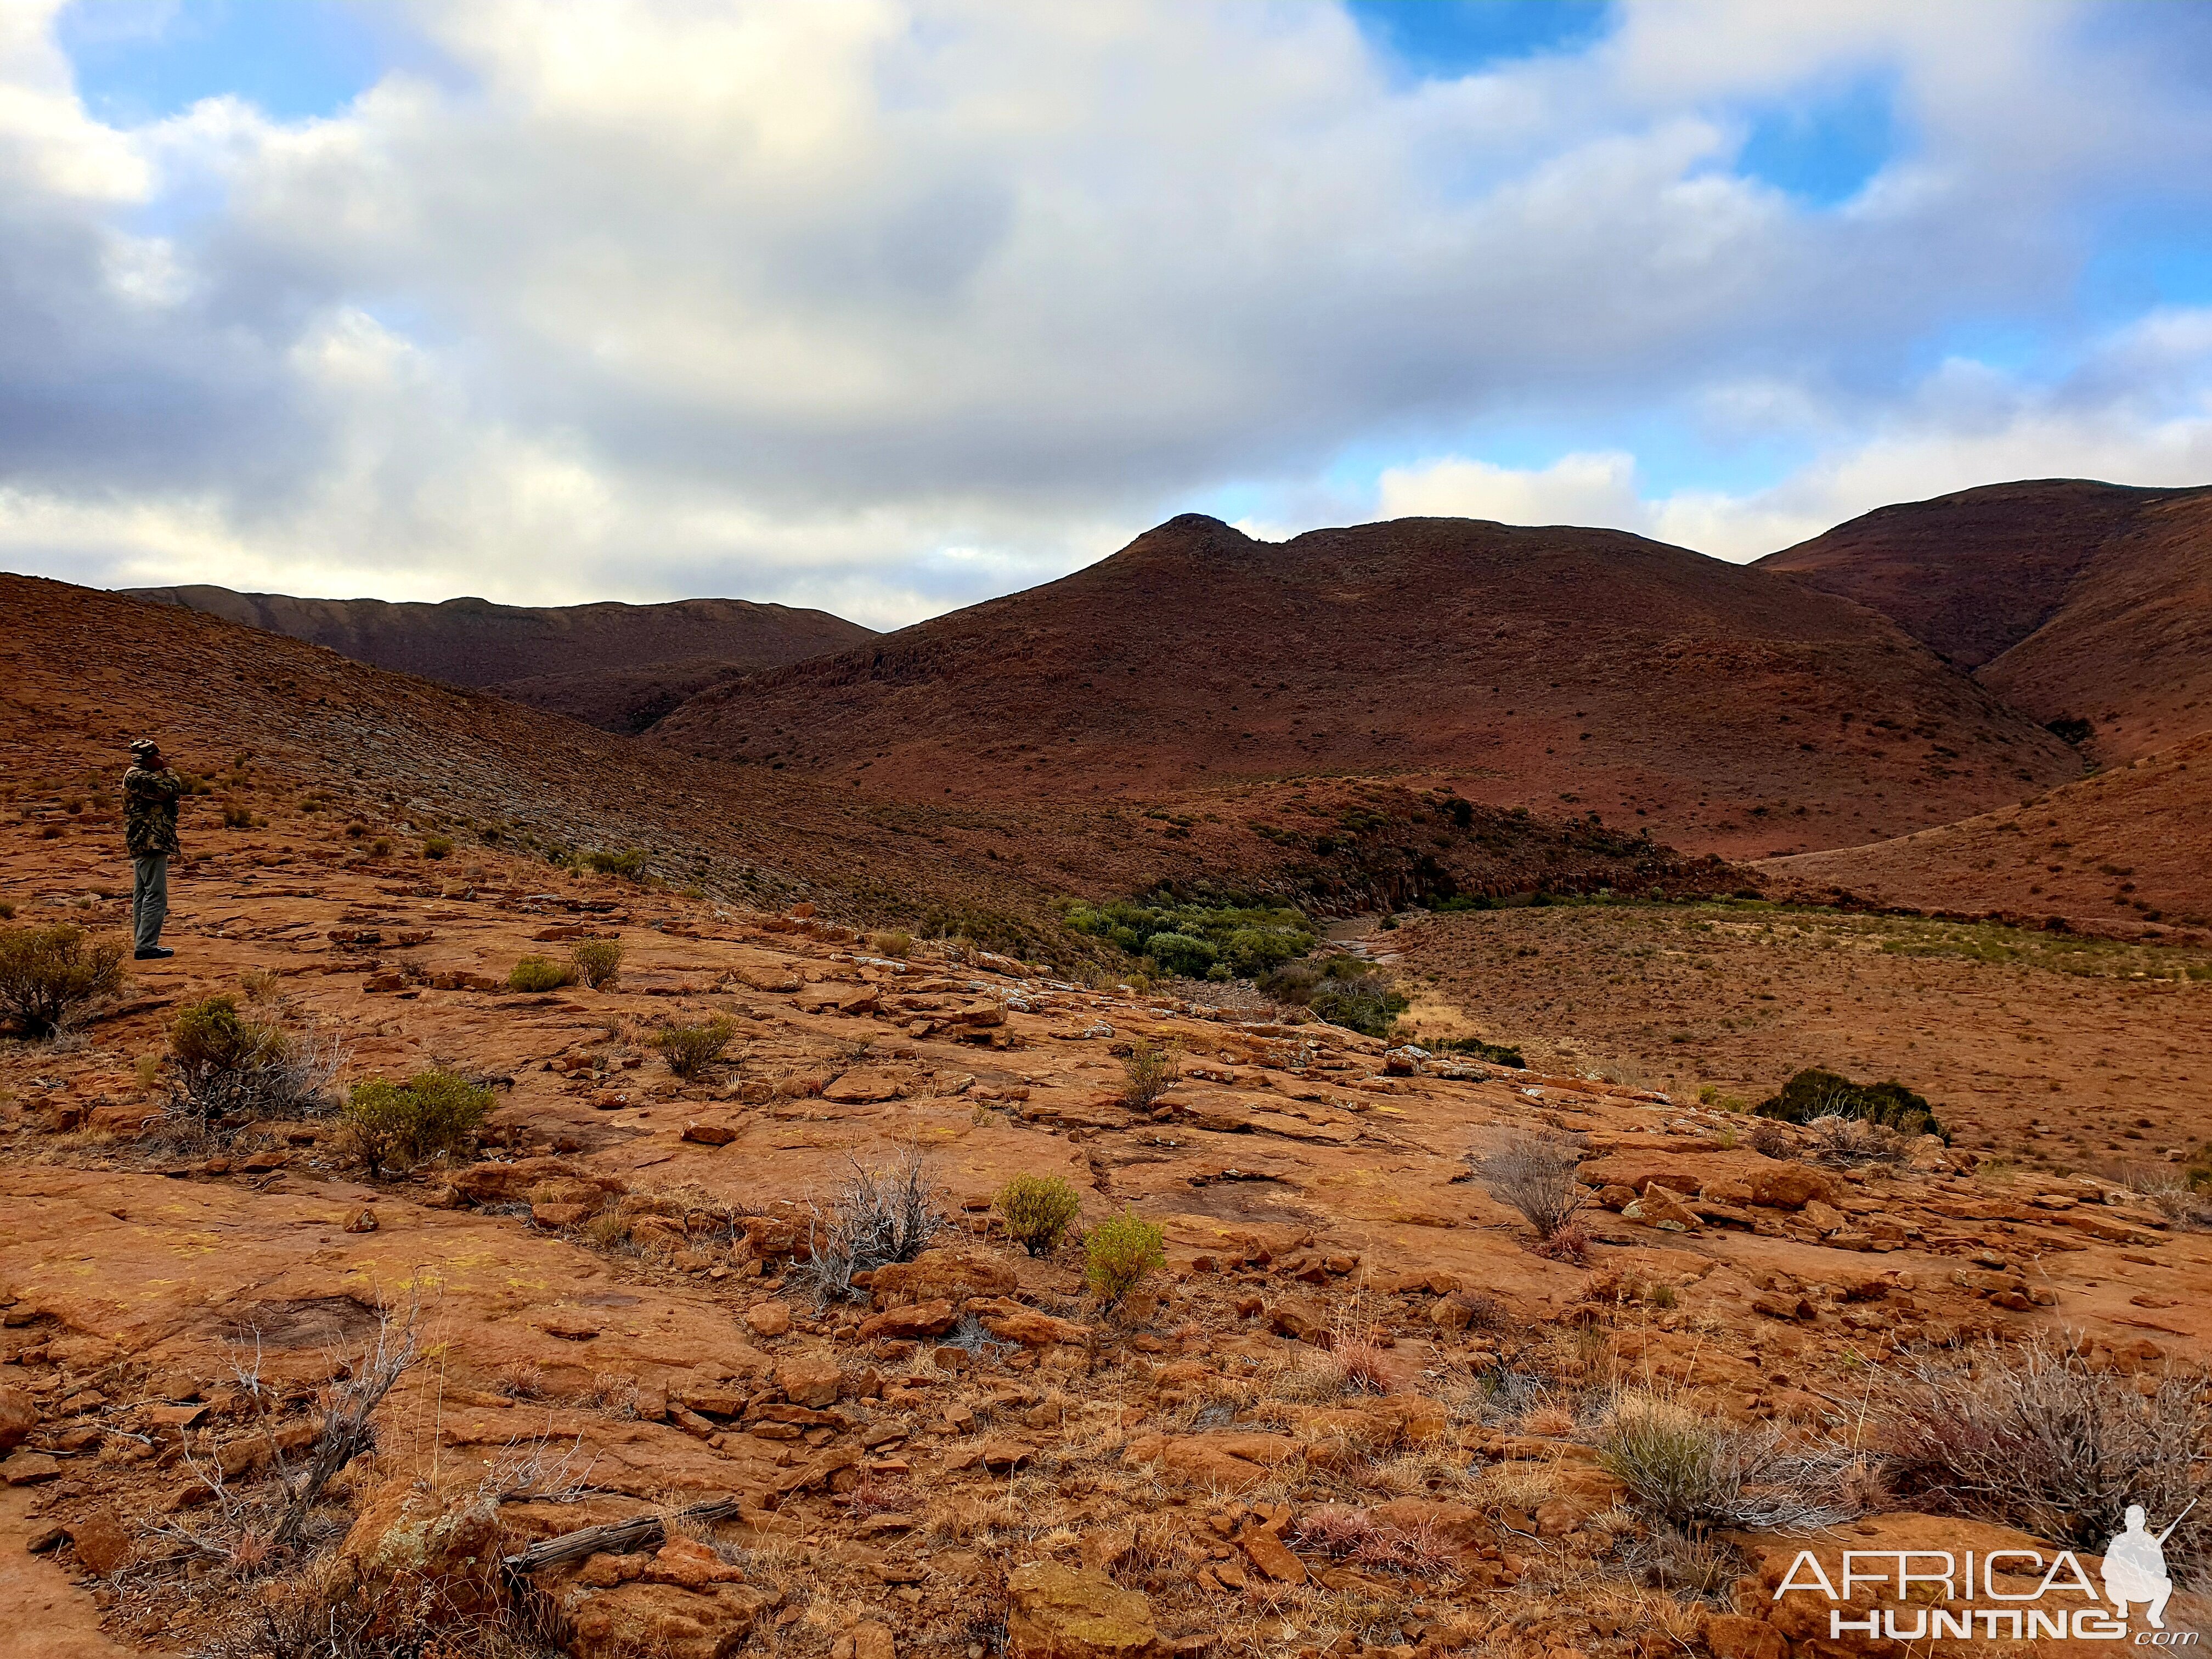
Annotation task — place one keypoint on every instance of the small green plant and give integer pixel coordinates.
(237, 817)
(598, 963)
(436, 846)
(539, 974)
(7, 911)
(1152, 1071)
(211, 1036)
(1038, 1211)
(1118, 1255)
(380, 848)
(691, 1050)
(390, 1126)
(894, 945)
(47, 974)
(1497, 1054)
(630, 863)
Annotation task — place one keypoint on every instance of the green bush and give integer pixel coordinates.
(1152, 1071)
(436, 846)
(1816, 1093)
(211, 1036)
(47, 974)
(1180, 954)
(395, 1125)
(1497, 1054)
(539, 974)
(897, 945)
(692, 1049)
(1119, 1253)
(1251, 939)
(1367, 1004)
(630, 863)
(1038, 1211)
(598, 963)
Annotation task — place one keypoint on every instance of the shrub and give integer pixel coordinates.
(894, 945)
(1180, 954)
(693, 1049)
(1497, 1054)
(1696, 1472)
(1152, 1071)
(395, 1125)
(237, 817)
(436, 846)
(2031, 1437)
(230, 1070)
(630, 863)
(1846, 1141)
(47, 974)
(539, 974)
(1816, 1093)
(598, 963)
(1038, 1211)
(380, 848)
(881, 1215)
(1118, 1255)
(1535, 1174)
(1569, 1241)
(1250, 938)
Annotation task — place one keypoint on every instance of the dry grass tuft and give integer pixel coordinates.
(1535, 1174)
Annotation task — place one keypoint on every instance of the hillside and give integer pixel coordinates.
(2126, 852)
(616, 667)
(2070, 599)
(343, 755)
(1580, 670)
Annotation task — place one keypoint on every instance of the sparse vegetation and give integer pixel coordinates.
(630, 863)
(1695, 1471)
(391, 1127)
(897, 945)
(227, 1071)
(1814, 1093)
(1152, 1069)
(436, 846)
(1248, 938)
(49, 975)
(882, 1214)
(1497, 1054)
(2032, 1437)
(1535, 1174)
(694, 1050)
(1038, 1210)
(1343, 990)
(1119, 1254)
(1847, 1142)
(539, 974)
(598, 963)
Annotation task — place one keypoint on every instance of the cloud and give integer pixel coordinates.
(890, 306)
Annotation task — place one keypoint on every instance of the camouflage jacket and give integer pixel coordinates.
(149, 811)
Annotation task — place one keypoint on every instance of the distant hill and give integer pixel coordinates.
(616, 667)
(1726, 709)
(2070, 599)
(2126, 851)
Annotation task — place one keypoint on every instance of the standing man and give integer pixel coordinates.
(149, 832)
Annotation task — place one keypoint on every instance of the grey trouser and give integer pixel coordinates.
(150, 898)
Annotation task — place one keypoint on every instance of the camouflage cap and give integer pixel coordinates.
(144, 745)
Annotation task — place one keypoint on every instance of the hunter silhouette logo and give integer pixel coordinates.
(1939, 1594)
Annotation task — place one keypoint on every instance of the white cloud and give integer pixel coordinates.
(892, 304)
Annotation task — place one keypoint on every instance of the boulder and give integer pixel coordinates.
(863, 1086)
(103, 1544)
(1010, 1321)
(910, 1323)
(1293, 1316)
(1789, 1187)
(810, 1379)
(411, 1542)
(710, 1134)
(18, 1417)
(666, 1620)
(1055, 1612)
(941, 1275)
(1659, 1207)
(766, 978)
(768, 1318)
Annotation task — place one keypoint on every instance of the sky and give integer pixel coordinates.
(891, 305)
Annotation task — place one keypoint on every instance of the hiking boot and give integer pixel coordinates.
(149, 955)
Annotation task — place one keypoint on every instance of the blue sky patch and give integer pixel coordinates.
(1448, 39)
(137, 61)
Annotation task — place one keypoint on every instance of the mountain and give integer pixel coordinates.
(1726, 709)
(2126, 852)
(2071, 600)
(616, 667)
